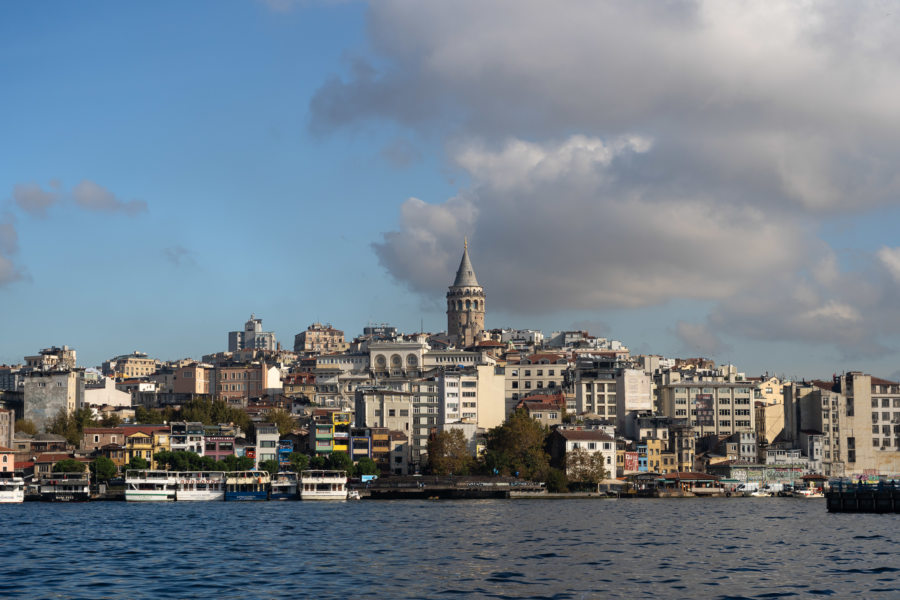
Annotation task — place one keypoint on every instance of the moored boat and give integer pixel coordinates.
(808, 493)
(284, 486)
(65, 487)
(12, 488)
(149, 486)
(200, 486)
(247, 485)
(323, 485)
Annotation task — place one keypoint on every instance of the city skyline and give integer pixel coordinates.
(707, 180)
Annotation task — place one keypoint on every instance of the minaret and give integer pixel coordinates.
(465, 303)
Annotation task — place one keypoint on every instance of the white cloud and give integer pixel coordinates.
(91, 196)
(623, 155)
(34, 199)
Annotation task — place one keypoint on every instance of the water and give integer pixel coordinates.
(680, 548)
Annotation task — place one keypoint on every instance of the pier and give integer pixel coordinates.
(446, 488)
(883, 497)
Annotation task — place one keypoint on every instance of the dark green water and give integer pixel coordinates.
(690, 548)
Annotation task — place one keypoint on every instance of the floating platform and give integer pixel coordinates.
(882, 498)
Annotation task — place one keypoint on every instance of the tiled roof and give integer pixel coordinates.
(577, 435)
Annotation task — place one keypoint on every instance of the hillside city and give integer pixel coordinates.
(385, 399)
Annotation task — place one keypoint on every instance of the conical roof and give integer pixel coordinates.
(465, 275)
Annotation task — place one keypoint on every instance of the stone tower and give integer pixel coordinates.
(465, 304)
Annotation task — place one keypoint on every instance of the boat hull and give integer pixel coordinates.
(245, 496)
(199, 496)
(149, 496)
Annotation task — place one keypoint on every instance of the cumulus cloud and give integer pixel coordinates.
(92, 196)
(34, 199)
(624, 155)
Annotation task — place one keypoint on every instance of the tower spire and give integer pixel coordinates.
(465, 275)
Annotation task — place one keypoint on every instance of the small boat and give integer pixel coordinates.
(761, 494)
(284, 486)
(65, 487)
(247, 485)
(200, 486)
(12, 488)
(353, 495)
(150, 486)
(323, 485)
(808, 493)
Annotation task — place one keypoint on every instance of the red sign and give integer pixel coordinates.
(631, 461)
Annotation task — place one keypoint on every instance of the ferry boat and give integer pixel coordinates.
(150, 486)
(323, 485)
(66, 487)
(247, 485)
(12, 488)
(284, 486)
(200, 486)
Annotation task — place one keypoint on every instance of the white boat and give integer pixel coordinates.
(150, 486)
(323, 485)
(65, 487)
(284, 486)
(200, 486)
(12, 489)
(808, 493)
(761, 494)
(247, 485)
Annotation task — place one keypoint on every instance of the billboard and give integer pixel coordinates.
(631, 461)
(705, 413)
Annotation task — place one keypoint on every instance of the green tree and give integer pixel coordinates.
(138, 464)
(318, 462)
(366, 466)
(111, 420)
(341, 461)
(282, 419)
(299, 461)
(238, 463)
(271, 466)
(586, 467)
(25, 426)
(71, 426)
(145, 415)
(448, 453)
(68, 465)
(557, 481)
(103, 468)
(517, 447)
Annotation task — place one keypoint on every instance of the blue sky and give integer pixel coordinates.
(670, 178)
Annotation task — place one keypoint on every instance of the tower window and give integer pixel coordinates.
(468, 304)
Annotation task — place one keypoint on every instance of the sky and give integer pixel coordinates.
(706, 178)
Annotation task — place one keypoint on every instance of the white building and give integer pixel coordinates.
(252, 337)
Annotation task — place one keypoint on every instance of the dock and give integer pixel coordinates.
(448, 488)
(883, 497)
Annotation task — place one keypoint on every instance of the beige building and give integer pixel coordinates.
(859, 418)
(127, 366)
(193, 378)
(768, 399)
(320, 339)
(543, 373)
(7, 427)
(465, 305)
(711, 407)
(52, 358)
(237, 383)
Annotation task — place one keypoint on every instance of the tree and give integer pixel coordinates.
(341, 461)
(144, 415)
(238, 463)
(68, 465)
(25, 426)
(366, 466)
(270, 465)
(586, 467)
(138, 464)
(318, 462)
(299, 461)
(557, 481)
(111, 420)
(71, 426)
(103, 468)
(517, 448)
(448, 453)
(282, 419)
